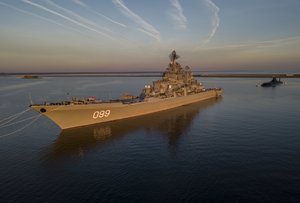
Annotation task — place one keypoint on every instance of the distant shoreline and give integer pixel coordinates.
(155, 74)
(250, 75)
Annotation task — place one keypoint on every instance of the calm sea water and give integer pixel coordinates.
(242, 147)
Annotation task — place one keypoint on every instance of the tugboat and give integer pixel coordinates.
(274, 82)
(177, 87)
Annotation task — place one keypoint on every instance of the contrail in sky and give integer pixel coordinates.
(215, 20)
(75, 15)
(80, 3)
(97, 13)
(40, 17)
(147, 33)
(66, 18)
(178, 15)
(259, 44)
(146, 27)
(32, 14)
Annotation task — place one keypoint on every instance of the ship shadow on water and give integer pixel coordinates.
(172, 123)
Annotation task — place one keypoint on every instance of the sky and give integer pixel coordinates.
(138, 35)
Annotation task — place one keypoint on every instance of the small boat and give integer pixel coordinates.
(274, 82)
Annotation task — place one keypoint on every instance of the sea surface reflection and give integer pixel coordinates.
(242, 148)
(172, 124)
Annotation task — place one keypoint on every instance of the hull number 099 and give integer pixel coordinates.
(101, 114)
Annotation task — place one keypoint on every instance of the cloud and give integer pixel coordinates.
(215, 19)
(80, 3)
(66, 18)
(145, 26)
(177, 14)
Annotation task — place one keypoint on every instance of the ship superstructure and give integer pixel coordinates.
(176, 81)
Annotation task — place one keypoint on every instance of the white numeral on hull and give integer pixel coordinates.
(101, 114)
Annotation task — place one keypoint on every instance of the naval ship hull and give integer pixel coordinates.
(74, 115)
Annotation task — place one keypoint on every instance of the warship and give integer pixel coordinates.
(177, 87)
(274, 82)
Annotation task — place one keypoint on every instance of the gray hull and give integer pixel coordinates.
(70, 116)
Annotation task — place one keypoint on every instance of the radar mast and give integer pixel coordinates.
(173, 56)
